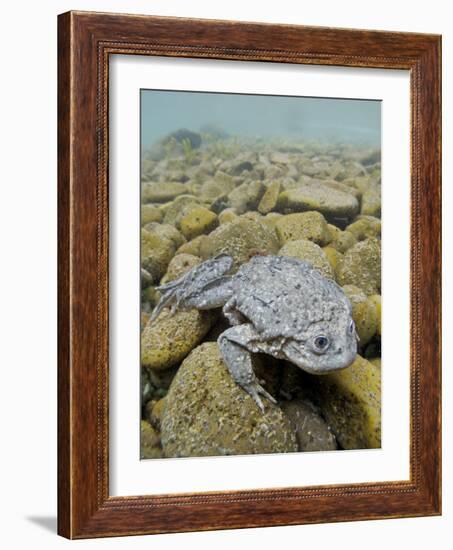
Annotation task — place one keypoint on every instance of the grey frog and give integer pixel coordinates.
(276, 305)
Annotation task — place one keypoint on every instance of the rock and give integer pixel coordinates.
(183, 134)
(166, 231)
(180, 264)
(339, 186)
(312, 431)
(364, 314)
(371, 202)
(246, 197)
(350, 401)
(269, 200)
(310, 252)
(208, 414)
(156, 252)
(241, 239)
(170, 338)
(150, 213)
(333, 204)
(376, 301)
(271, 219)
(343, 240)
(308, 225)
(365, 227)
(192, 247)
(221, 184)
(178, 208)
(333, 255)
(361, 266)
(154, 412)
(198, 221)
(162, 192)
(227, 215)
(149, 441)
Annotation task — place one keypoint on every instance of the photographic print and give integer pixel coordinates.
(260, 274)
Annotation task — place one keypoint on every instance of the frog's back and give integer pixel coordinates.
(282, 295)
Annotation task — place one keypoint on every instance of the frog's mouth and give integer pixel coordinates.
(299, 355)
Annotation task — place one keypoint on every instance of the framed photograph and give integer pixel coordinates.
(249, 275)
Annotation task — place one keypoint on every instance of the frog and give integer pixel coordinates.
(277, 305)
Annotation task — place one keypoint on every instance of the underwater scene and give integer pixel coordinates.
(260, 274)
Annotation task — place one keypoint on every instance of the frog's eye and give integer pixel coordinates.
(321, 343)
(351, 327)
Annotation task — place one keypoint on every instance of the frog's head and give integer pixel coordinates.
(324, 345)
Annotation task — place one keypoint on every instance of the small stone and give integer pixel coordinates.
(361, 266)
(192, 247)
(333, 255)
(150, 213)
(312, 431)
(308, 225)
(198, 221)
(156, 252)
(177, 208)
(343, 241)
(149, 441)
(179, 265)
(227, 215)
(167, 340)
(162, 192)
(375, 299)
(311, 253)
(166, 231)
(371, 202)
(246, 196)
(365, 227)
(269, 200)
(364, 314)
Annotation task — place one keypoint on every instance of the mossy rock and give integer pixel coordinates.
(241, 239)
(376, 301)
(156, 252)
(309, 252)
(246, 197)
(269, 200)
(361, 266)
(179, 265)
(162, 192)
(365, 227)
(350, 401)
(150, 213)
(307, 225)
(166, 231)
(207, 414)
(343, 241)
(149, 441)
(333, 255)
(198, 221)
(227, 215)
(192, 247)
(167, 340)
(371, 202)
(364, 314)
(312, 431)
(331, 203)
(177, 208)
(154, 411)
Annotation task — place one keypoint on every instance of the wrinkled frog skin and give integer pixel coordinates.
(276, 305)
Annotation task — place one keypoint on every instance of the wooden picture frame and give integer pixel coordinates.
(85, 42)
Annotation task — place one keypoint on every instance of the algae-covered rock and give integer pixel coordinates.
(227, 215)
(364, 313)
(169, 338)
(207, 414)
(180, 264)
(307, 225)
(371, 202)
(331, 203)
(240, 238)
(156, 252)
(350, 401)
(154, 411)
(312, 431)
(150, 213)
(166, 231)
(192, 247)
(177, 208)
(361, 266)
(162, 192)
(269, 200)
(198, 221)
(375, 299)
(246, 196)
(343, 240)
(333, 255)
(310, 252)
(149, 441)
(365, 227)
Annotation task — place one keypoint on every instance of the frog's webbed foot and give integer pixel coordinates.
(234, 345)
(205, 286)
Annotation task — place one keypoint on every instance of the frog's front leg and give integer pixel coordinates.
(236, 345)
